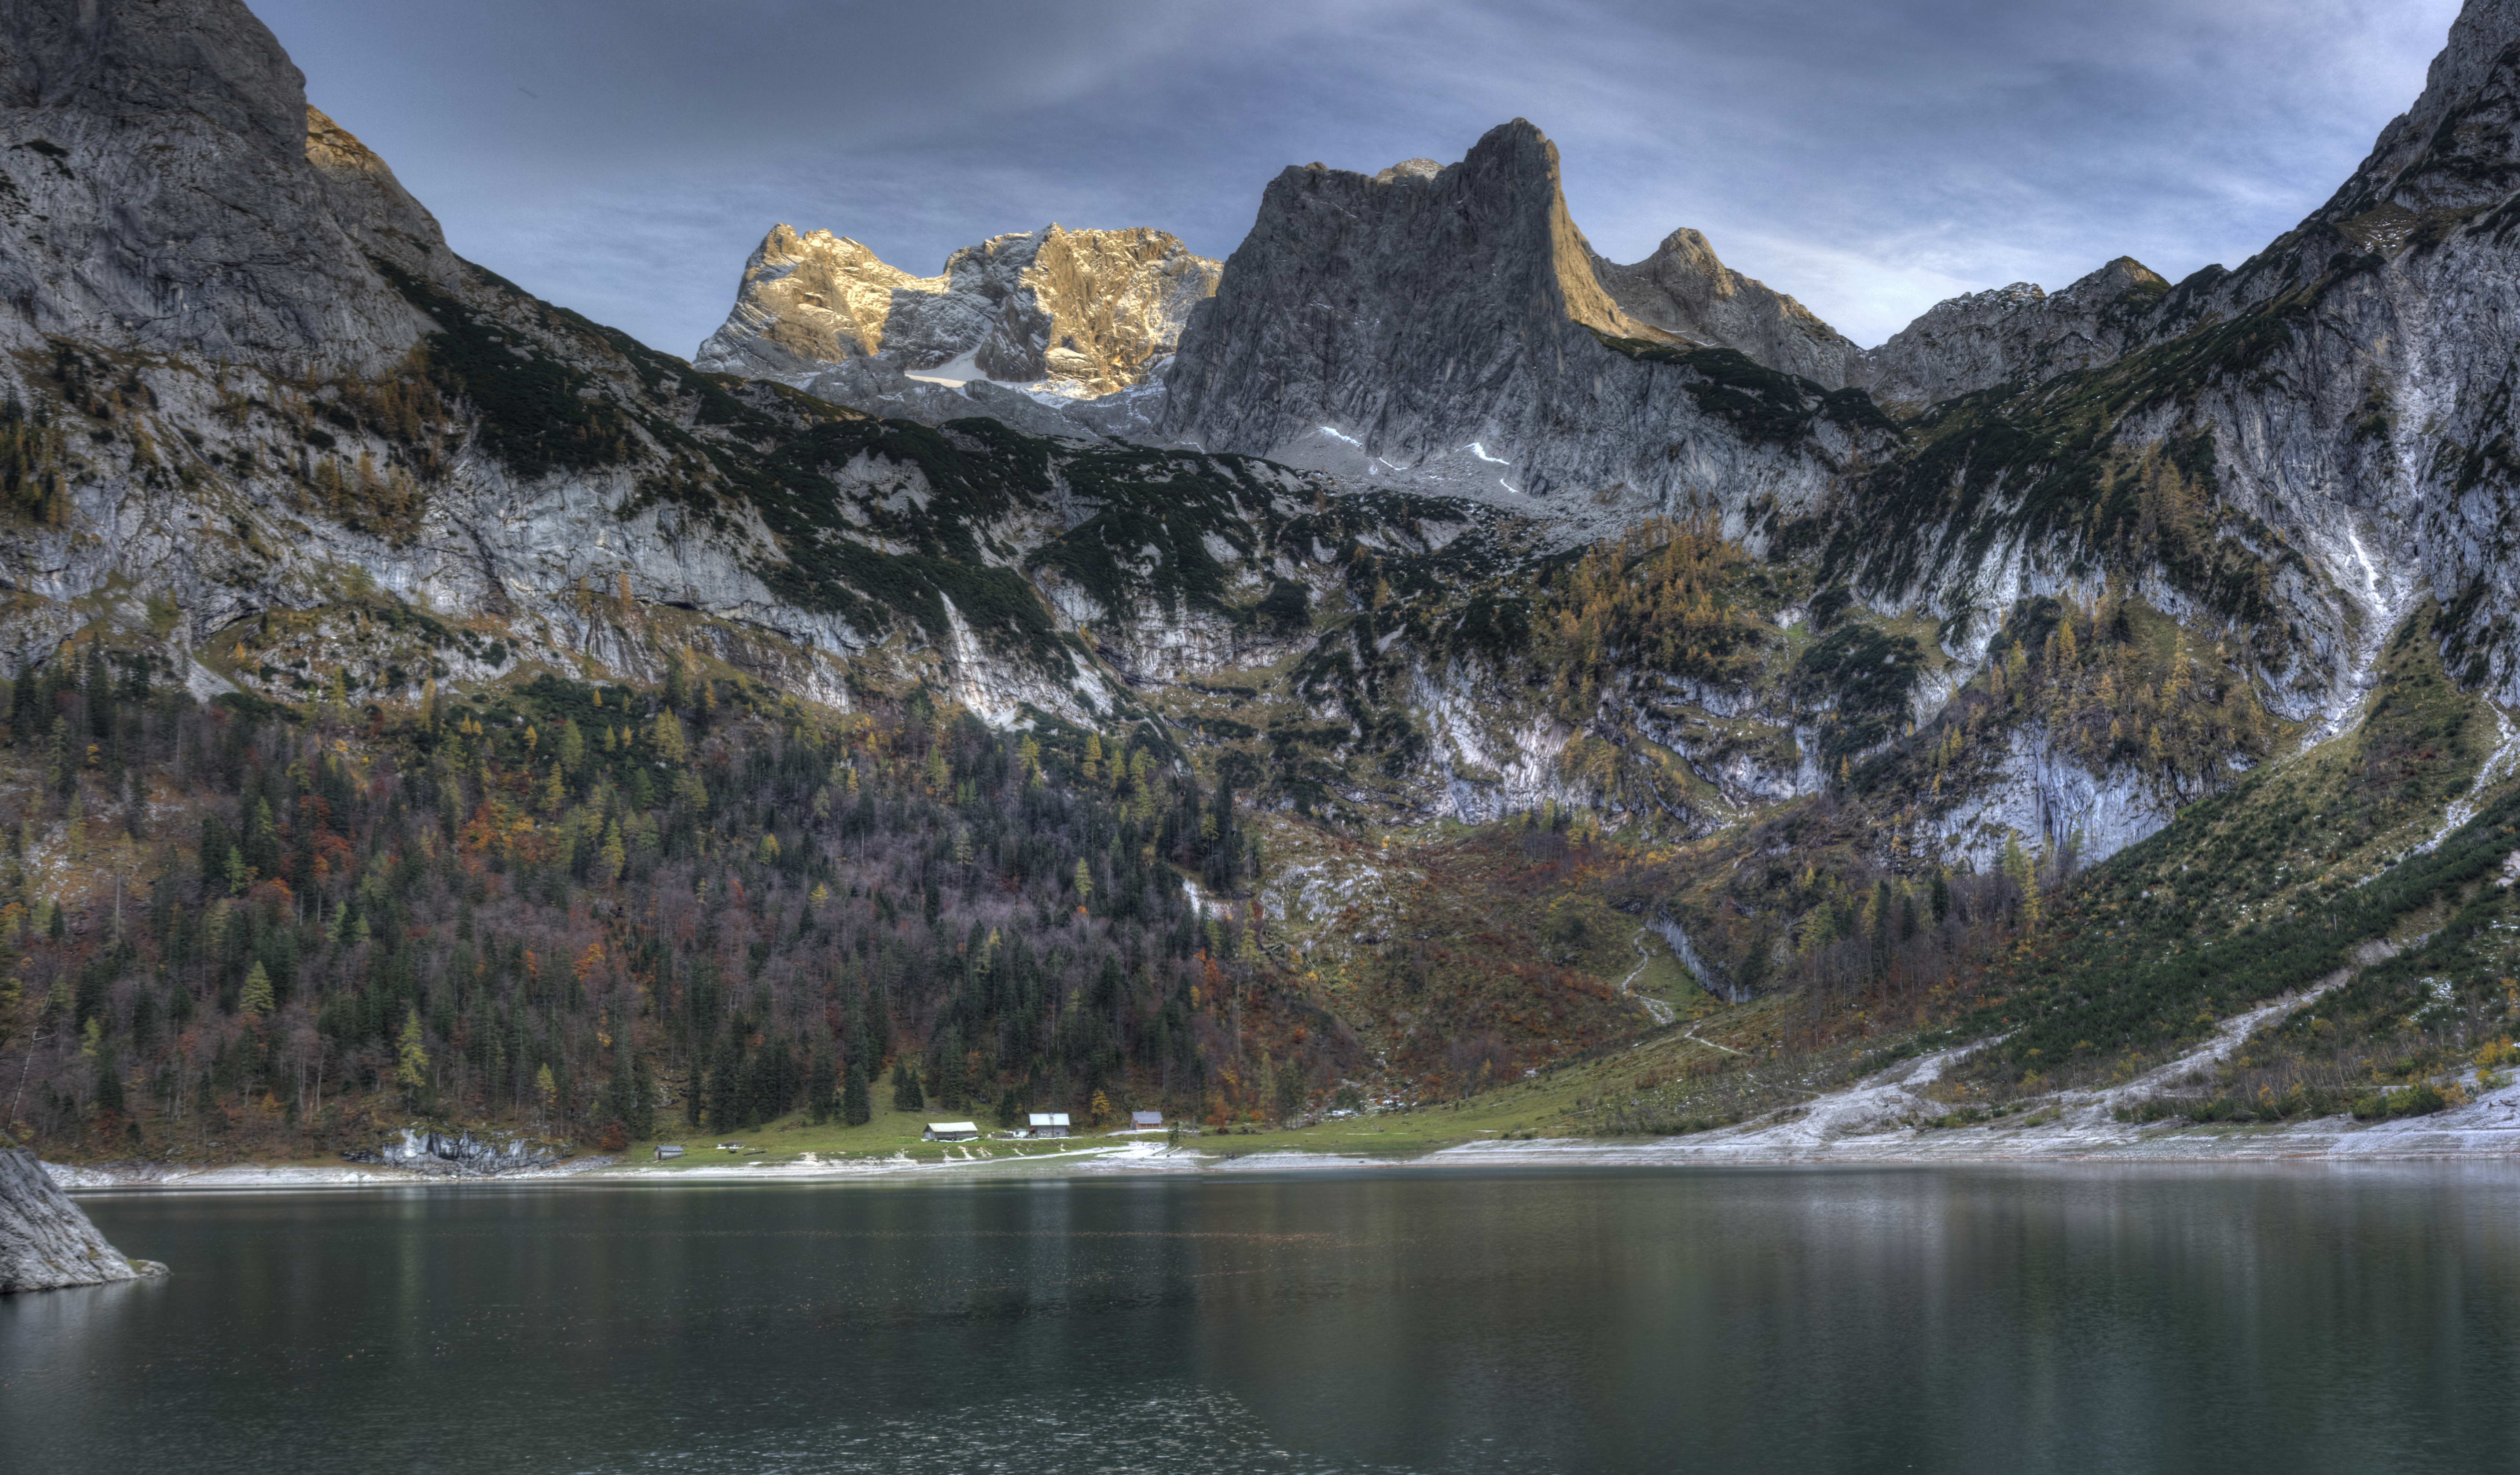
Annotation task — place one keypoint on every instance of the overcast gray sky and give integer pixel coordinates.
(1870, 157)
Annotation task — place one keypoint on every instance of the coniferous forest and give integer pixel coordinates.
(594, 914)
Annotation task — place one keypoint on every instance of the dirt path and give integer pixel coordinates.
(1663, 1014)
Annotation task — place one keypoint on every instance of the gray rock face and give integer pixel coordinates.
(1452, 329)
(463, 1154)
(1081, 313)
(1682, 289)
(161, 189)
(2013, 333)
(45, 1243)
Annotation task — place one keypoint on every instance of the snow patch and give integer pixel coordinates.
(954, 373)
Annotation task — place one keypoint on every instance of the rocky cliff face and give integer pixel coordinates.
(45, 1243)
(160, 194)
(1450, 330)
(2012, 335)
(2341, 381)
(1684, 291)
(1080, 314)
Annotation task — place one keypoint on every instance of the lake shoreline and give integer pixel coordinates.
(2483, 1131)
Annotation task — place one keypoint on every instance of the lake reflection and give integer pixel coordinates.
(2052, 1319)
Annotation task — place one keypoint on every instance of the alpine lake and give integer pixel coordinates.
(2296, 1318)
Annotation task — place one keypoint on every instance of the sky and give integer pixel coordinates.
(1872, 158)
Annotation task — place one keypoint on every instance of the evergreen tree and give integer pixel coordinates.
(261, 842)
(410, 1058)
(257, 1001)
(109, 1085)
(856, 1110)
(621, 1092)
(818, 1085)
(906, 1095)
(643, 1099)
(2024, 876)
(948, 1075)
(726, 1085)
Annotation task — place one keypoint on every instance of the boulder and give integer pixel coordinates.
(45, 1243)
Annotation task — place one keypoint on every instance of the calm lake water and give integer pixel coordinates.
(2078, 1319)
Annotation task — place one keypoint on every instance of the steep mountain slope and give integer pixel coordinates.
(161, 193)
(1684, 291)
(1084, 313)
(1449, 330)
(2012, 335)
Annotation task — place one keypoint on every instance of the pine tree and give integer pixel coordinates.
(667, 736)
(257, 1001)
(261, 842)
(411, 1061)
(726, 1085)
(678, 691)
(620, 1093)
(949, 1072)
(109, 1085)
(643, 1099)
(2017, 866)
(856, 1110)
(818, 1085)
(906, 1095)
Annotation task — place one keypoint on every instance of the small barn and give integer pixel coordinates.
(670, 1149)
(1142, 1120)
(1046, 1124)
(950, 1131)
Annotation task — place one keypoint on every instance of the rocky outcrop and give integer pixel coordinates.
(1451, 330)
(2014, 335)
(1078, 313)
(45, 1243)
(1684, 291)
(463, 1154)
(164, 187)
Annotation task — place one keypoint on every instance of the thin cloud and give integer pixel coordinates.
(1868, 157)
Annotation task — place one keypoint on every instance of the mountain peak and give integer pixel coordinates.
(1083, 311)
(2018, 333)
(1455, 336)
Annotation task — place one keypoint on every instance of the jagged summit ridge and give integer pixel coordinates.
(1456, 330)
(2013, 333)
(1081, 313)
(1682, 289)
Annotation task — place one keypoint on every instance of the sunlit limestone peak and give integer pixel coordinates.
(1077, 313)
